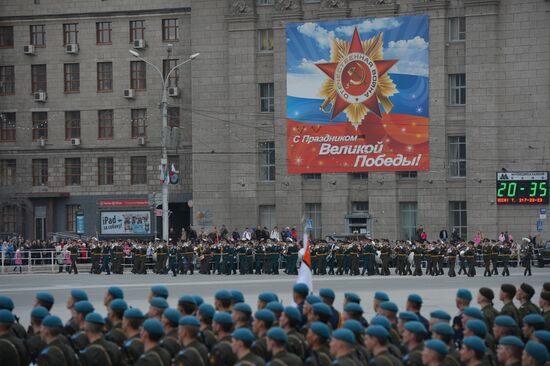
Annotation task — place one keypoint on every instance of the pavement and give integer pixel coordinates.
(438, 292)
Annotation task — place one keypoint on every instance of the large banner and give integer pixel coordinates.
(125, 223)
(357, 95)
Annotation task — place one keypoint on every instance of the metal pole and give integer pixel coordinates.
(164, 162)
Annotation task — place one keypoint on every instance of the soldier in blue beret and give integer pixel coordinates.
(376, 340)
(75, 296)
(131, 324)
(351, 297)
(222, 353)
(198, 300)
(414, 304)
(111, 294)
(56, 351)
(115, 313)
(463, 299)
(151, 334)
(242, 315)
(328, 296)
(445, 333)
(543, 336)
(475, 327)
(205, 314)
(317, 338)
(510, 350)
(472, 351)
(12, 349)
(439, 316)
(534, 354)
(524, 295)
(434, 353)
(403, 318)
(79, 340)
(241, 343)
(263, 320)
(277, 340)
(44, 299)
(342, 346)
(299, 294)
(157, 305)
(290, 323)
(379, 297)
(277, 308)
(158, 291)
(361, 352)
(236, 296)
(413, 339)
(264, 298)
(34, 342)
(222, 301)
(99, 351)
(193, 352)
(187, 305)
(320, 312)
(544, 303)
(353, 310)
(170, 320)
(532, 323)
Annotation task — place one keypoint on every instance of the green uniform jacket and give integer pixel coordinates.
(116, 335)
(528, 308)
(101, 353)
(34, 345)
(285, 358)
(195, 354)
(259, 348)
(222, 353)
(319, 358)
(57, 353)
(385, 359)
(170, 343)
(156, 356)
(511, 310)
(250, 360)
(489, 313)
(414, 357)
(12, 351)
(131, 350)
(346, 361)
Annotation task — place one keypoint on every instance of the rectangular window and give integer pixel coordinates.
(458, 218)
(137, 75)
(266, 158)
(39, 172)
(138, 123)
(313, 212)
(38, 35)
(311, 176)
(72, 125)
(407, 215)
(72, 78)
(265, 40)
(104, 76)
(7, 80)
(267, 216)
(360, 206)
(6, 37)
(457, 156)
(167, 65)
(70, 33)
(264, 2)
(38, 78)
(137, 30)
(173, 116)
(105, 124)
(103, 32)
(170, 29)
(407, 175)
(104, 171)
(457, 29)
(72, 171)
(8, 219)
(71, 211)
(7, 127)
(7, 172)
(39, 126)
(360, 176)
(267, 97)
(138, 166)
(457, 89)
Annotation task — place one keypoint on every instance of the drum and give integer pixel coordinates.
(377, 258)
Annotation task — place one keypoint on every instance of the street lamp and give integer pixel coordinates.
(164, 112)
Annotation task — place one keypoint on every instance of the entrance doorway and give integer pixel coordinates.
(40, 232)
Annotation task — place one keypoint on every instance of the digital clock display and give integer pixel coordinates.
(522, 188)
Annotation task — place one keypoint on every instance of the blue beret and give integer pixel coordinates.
(84, 307)
(95, 318)
(543, 335)
(475, 343)
(159, 302)
(416, 327)
(118, 304)
(408, 316)
(443, 328)
(312, 299)
(172, 315)
(222, 295)
(52, 321)
(511, 341)
(381, 296)
(133, 313)
(377, 331)
(198, 300)
(533, 319)
(275, 307)
(6, 303)
(6, 317)
(473, 313)
(221, 317)
(116, 292)
(505, 321)
(245, 335)
(465, 294)
(322, 308)
(79, 295)
(237, 295)
(345, 335)
(265, 315)
(277, 334)
(437, 346)
(266, 297)
(415, 298)
(352, 307)
(242, 307)
(45, 297)
(160, 291)
(389, 306)
(478, 327)
(39, 312)
(189, 320)
(327, 292)
(293, 313)
(440, 314)
(187, 298)
(355, 326)
(207, 310)
(321, 329)
(352, 297)
(537, 350)
(153, 326)
(301, 288)
(382, 321)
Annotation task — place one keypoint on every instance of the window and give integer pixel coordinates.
(407, 215)
(39, 125)
(457, 29)
(6, 37)
(137, 30)
(72, 171)
(265, 40)
(7, 127)
(39, 172)
(104, 171)
(167, 65)
(72, 78)
(104, 76)
(7, 172)
(457, 156)
(313, 212)
(264, 2)
(458, 218)
(103, 32)
(138, 167)
(72, 125)
(173, 116)
(105, 124)
(70, 33)
(137, 75)
(38, 35)
(266, 157)
(457, 89)
(38, 78)
(311, 176)
(267, 216)
(360, 206)
(407, 175)
(71, 211)
(267, 98)
(170, 30)
(138, 123)
(360, 176)
(359, 220)
(8, 219)
(7, 80)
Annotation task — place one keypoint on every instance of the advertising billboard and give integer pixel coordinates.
(358, 95)
(125, 223)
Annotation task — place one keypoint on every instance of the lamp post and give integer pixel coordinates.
(164, 112)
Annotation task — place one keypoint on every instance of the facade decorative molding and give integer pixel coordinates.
(481, 7)
(287, 5)
(380, 8)
(241, 7)
(427, 5)
(333, 4)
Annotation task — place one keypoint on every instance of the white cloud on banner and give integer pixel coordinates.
(304, 85)
(308, 66)
(318, 33)
(370, 25)
(412, 55)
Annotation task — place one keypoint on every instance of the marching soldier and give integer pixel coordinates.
(451, 258)
(494, 258)
(173, 260)
(56, 351)
(417, 260)
(487, 253)
(505, 254)
(73, 250)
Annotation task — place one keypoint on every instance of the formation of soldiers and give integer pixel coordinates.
(314, 332)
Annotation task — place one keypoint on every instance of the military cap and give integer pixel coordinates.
(265, 315)
(464, 294)
(301, 288)
(222, 317)
(505, 321)
(473, 312)
(416, 327)
(381, 296)
(222, 295)
(293, 313)
(45, 297)
(6, 303)
(94, 318)
(190, 321)
(275, 306)
(546, 286)
(389, 306)
(198, 300)
(528, 289)
(327, 292)
(353, 307)
(437, 346)
(115, 292)
(188, 299)
(533, 319)
(79, 295)
(475, 343)
(543, 336)
(408, 316)
(415, 298)
(509, 289)
(277, 334)
(355, 326)
(153, 326)
(6, 317)
(266, 297)
(345, 335)
(84, 307)
(440, 314)
(487, 293)
(321, 329)
(160, 291)
(352, 297)
(133, 313)
(381, 320)
(511, 341)
(172, 315)
(245, 335)
(312, 299)
(545, 295)
(39, 312)
(118, 304)
(478, 327)
(443, 329)
(322, 308)
(537, 350)
(52, 321)
(242, 307)
(207, 310)
(159, 302)
(237, 295)
(377, 331)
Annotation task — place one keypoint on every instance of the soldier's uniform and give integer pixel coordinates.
(96, 257)
(79, 341)
(73, 250)
(451, 259)
(417, 261)
(156, 356)
(259, 347)
(489, 315)
(494, 258)
(194, 354)
(354, 257)
(385, 359)
(12, 351)
(100, 352)
(208, 338)
(505, 254)
(319, 358)
(339, 253)
(34, 345)
(173, 260)
(105, 259)
(119, 258)
(285, 358)
(131, 350)
(250, 359)
(487, 253)
(527, 260)
(471, 259)
(526, 309)
(222, 353)
(56, 353)
(322, 259)
(170, 343)
(296, 343)
(414, 357)
(116, 335)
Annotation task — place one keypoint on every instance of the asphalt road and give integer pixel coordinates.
(437, 292)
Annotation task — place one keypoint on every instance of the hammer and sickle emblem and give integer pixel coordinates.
(354, 74)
